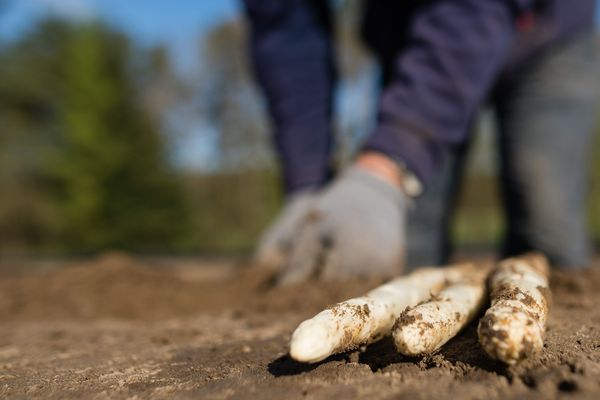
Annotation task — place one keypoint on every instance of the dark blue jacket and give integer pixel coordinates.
(440, 59)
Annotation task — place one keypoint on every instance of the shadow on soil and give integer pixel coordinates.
(458, 353)
(285, 366)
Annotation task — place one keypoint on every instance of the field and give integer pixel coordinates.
(119, 327)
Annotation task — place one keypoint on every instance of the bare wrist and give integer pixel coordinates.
(390, 171)
(382, 167)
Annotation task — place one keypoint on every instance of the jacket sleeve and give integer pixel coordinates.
(455, 50)
(290, 44)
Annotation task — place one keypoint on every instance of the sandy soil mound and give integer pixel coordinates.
(119, 286)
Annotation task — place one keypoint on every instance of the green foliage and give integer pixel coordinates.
(29, 87)
(97, 160)
(115, 185)
(231, 209)
(594, 195)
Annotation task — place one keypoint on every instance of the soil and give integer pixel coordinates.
(119, 327)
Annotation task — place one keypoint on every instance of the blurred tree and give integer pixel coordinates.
(594, 195)
(89, 151)
(242, 180)
(230, 101)
(30, 87)
(113, 170)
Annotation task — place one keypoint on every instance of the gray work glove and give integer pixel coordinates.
(354, 227)
(275, 243)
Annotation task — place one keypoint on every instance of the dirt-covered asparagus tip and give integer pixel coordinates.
(426, 327)
(513, 327)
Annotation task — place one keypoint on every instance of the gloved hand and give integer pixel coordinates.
(354, 227)
(275, 243)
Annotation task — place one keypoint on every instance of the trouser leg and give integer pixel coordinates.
(546, 119)
(292, 55)
(428, 223)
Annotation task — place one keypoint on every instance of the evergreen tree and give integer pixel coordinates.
(117, 187)
(84, 165)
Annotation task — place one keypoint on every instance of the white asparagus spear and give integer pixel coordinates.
(362, 320)
(428, 326)
(513, 327)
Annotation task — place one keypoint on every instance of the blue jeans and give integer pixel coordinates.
(546, 112)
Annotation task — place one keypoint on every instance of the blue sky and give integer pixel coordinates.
(147, 20)
(176, 23)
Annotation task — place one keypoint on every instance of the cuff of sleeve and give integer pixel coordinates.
(411, 185)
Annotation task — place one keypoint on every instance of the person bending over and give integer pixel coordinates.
(533, 61)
